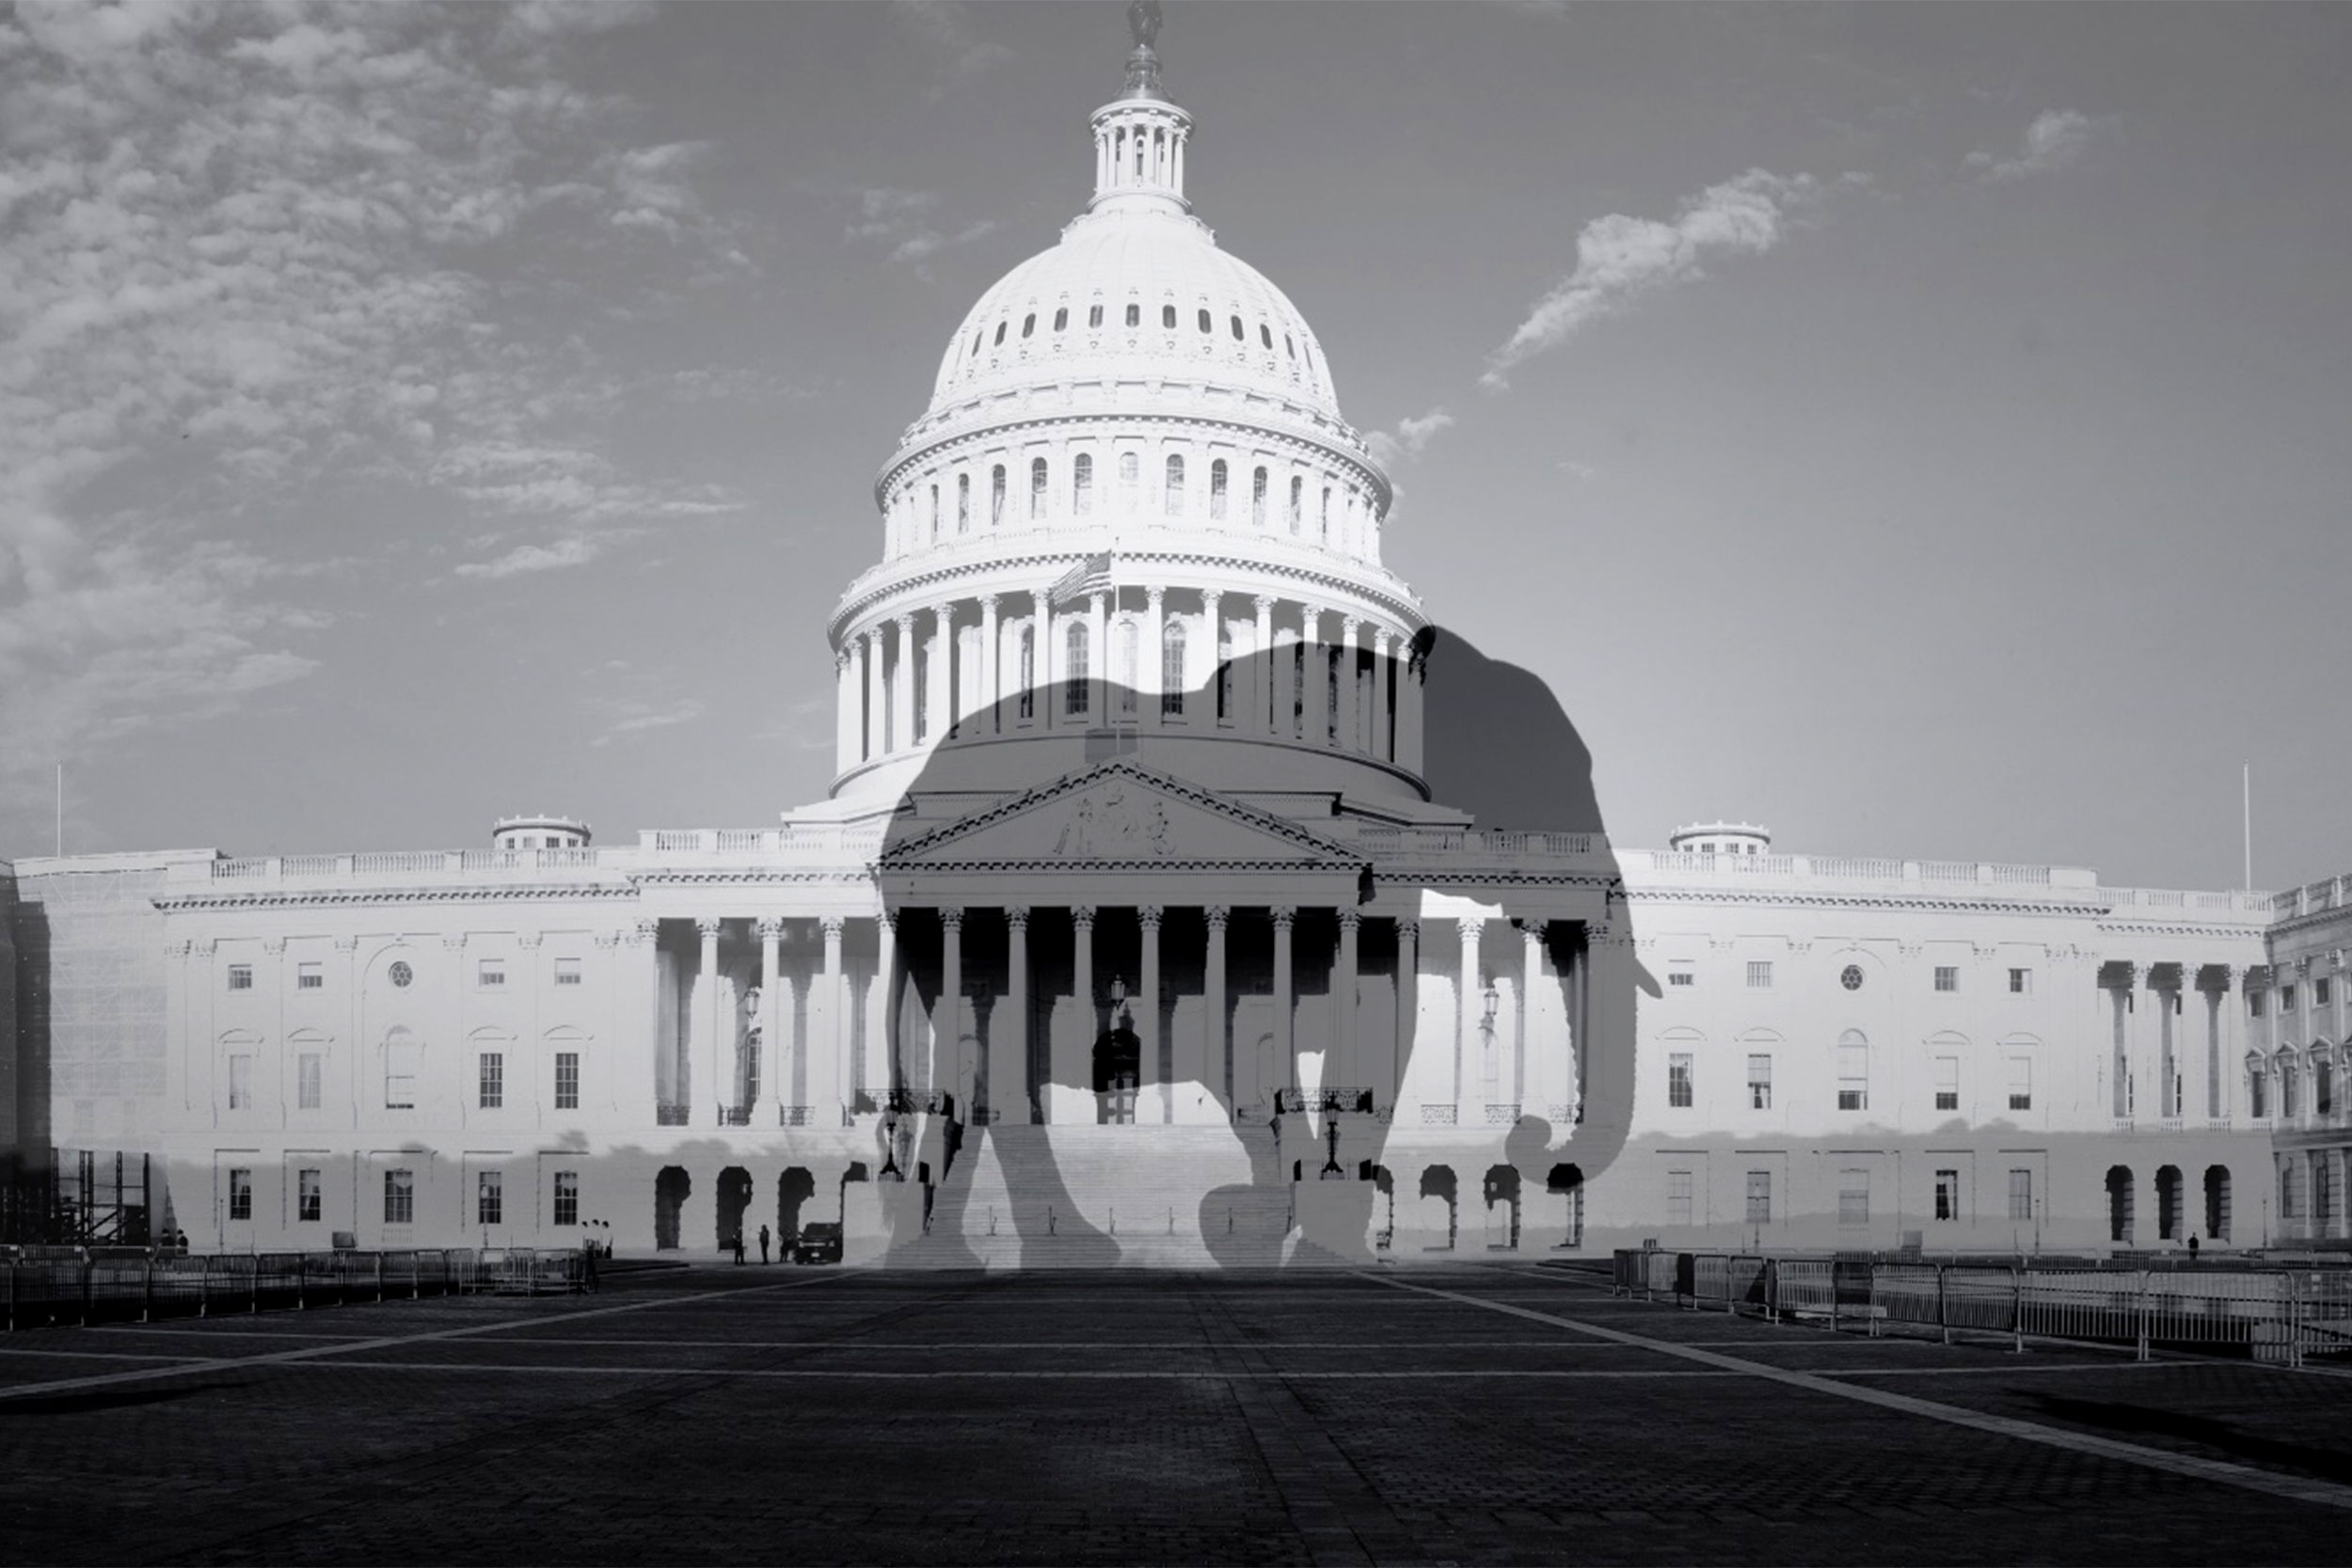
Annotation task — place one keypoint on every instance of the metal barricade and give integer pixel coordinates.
(1850, 1283)
(2080, 1304)
(2206, 1310)
(1982, 1300)
(1906, 1293)
(1743, 1284)
(1711, 1280)
(1802, 1288)
(1658, 1272)
(1627, 1272)
(2322, 1322)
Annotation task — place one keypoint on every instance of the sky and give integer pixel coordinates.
(1925, 430)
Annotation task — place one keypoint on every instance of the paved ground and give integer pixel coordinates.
(1462, 1415)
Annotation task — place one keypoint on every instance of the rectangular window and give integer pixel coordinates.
(241, 1083)
(399, 1075)
(2320, 993)
(1853, 1199)
(2286, 998)
(566, 1197)
(567, 1080)
(1947, 1083)
(1854, 1077)
(1677, 1198)
(491, 971)
(1679, 972)
(400, 1198)
(2021, 1082)
(310, 1200)
(240, 977)
(1946, 978)
(1759, 1197)
(567, 972)
(310, 1074)
(310, 976)
(1947, 1195)
(2021, 1196)
(1760, 1082)
(489, 1201)
(2020, 982)
(493, 1081)
(240, 1194)
(1678, 1080)
(1759, 974)
(2253, 1004)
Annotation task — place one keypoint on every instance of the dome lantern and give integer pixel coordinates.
(1139, 136)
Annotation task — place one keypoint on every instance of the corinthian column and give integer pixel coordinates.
(717, 1088)
(1150, 673)
(989, 702)
(845, 713)
(1380, 741)
(1351, 688)
(1204, 1064)
(1009, 1028)
(873, 730)
(902, 687)
(940, 676)
(773, 1090)
(1285, 1052)
(1314, 679)
(1347, 1052)
(828, 1033)
(1147, 1011)
(1262, 682)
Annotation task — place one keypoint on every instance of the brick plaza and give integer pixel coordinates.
(1464, 1414)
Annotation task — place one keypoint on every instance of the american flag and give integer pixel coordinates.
(1090, 576)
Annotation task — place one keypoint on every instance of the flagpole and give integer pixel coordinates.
(2248, 883)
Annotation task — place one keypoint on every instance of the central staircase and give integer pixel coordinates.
(1134, 1197)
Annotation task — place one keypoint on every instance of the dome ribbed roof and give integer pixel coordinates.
(1136, 293)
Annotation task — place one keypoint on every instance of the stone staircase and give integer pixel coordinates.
(1103, 1197)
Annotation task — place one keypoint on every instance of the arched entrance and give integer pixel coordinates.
(2168, 1203)
(1568, 1182)
(2119, 1204)
(2217, 1203)
(1502, 1185)
(1437, 1181)
(1118, 1075)
(735, 1198)
(670, 1188)
(795, 1187)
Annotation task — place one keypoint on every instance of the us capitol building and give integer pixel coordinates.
(1152, 918)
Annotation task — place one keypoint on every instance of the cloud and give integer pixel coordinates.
(897, 217)
(641, 717)
(2056, 139)
(1581, 472)
(1622, 259)
(574, 551)
(944, 29)
(1411, 438)
(247, 253)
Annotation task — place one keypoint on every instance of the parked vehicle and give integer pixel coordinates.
(818, 1243)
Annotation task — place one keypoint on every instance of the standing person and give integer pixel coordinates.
(588, 1266)
(738, 1244)
(763, 1244)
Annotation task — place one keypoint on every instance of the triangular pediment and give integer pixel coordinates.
(1118, 816)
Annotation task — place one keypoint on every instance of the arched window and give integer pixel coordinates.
(1073, 699)
(1037, 487)
(963, 502)
(1129, 475)
(1000, 334)
(1082, 485)
(1327, 514)
(1130, 670)
(1029, 323)
(1172, 499)
(1265, 334)
(1257, 498)
(1167, 317)
(1290, 347)
(1238, 335)
(1331, 703)
(1172, 670)
(1853, 1070)
(996, 495)
(1224, 677)
(403, 1056)
(976, 340)
(1134, 314)
(1028, 673)
(1061, 318)
(934, 511)
(1298, 502)
(1094, 315)
(1205, 327)
(1216, 490)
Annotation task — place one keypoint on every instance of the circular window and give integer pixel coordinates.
(400, 974)
(1852, 978)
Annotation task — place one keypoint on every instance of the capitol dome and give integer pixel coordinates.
(1130, 511)
(1136, 293)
